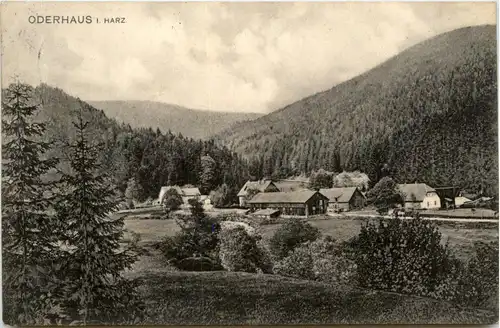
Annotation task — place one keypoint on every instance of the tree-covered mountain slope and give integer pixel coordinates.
(143, 157)
(430, 113)
(191, 123)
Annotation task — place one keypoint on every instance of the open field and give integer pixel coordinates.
(461, 237)
(201, 298)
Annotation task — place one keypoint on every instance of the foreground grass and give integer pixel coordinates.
(198, 298)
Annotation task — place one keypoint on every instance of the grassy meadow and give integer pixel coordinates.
(196, 298)
(201, 298)
(460, 236)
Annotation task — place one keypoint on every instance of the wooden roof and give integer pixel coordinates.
(339, 195)
(301, 196)
(419, 190)
(259, 185)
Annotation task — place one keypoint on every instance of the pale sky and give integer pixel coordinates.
(253, 57)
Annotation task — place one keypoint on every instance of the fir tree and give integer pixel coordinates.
(28, 238)
(207, 176)
(132, 193)
(93, 260)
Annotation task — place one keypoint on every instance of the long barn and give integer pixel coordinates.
(300, 203)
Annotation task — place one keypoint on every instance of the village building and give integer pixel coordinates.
(344, 199)
(300, 203)
(186, 193)
(260, 185)
(420, 196)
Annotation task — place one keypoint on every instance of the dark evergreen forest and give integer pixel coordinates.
(429, 113)
(152, 158)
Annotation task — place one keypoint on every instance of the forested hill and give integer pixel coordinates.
(191, 123)
(150, 157)
(429, 112)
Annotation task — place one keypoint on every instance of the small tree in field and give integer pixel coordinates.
(132, 193)
(221, 197)
(200, 231)
(172, 200)
(95, 290)
(385, 195)
(207, 173)
(28, 232)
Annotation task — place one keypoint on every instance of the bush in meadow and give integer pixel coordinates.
(322, 260)
(298, 264)
(241, 251)
(290, 235)
(402, 256)
(473, 283)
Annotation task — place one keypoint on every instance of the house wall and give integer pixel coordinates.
(357, 201)
(284, 208)
(242, 201)
(431, 202)
(316, 205)
(332, 206)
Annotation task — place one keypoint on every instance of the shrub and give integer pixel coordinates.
(474, 283)
(322, 260)
(171, 200)
(197, 238)
(298, 264)
(290, 235)
(221, 197)
(332, 262)
(401, 256)
(239, 251)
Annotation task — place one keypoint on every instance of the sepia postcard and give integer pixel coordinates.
(249, 163)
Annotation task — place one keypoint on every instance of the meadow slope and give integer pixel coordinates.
(241, 298)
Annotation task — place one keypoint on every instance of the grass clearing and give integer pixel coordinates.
(460, 237)
(201, 298)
